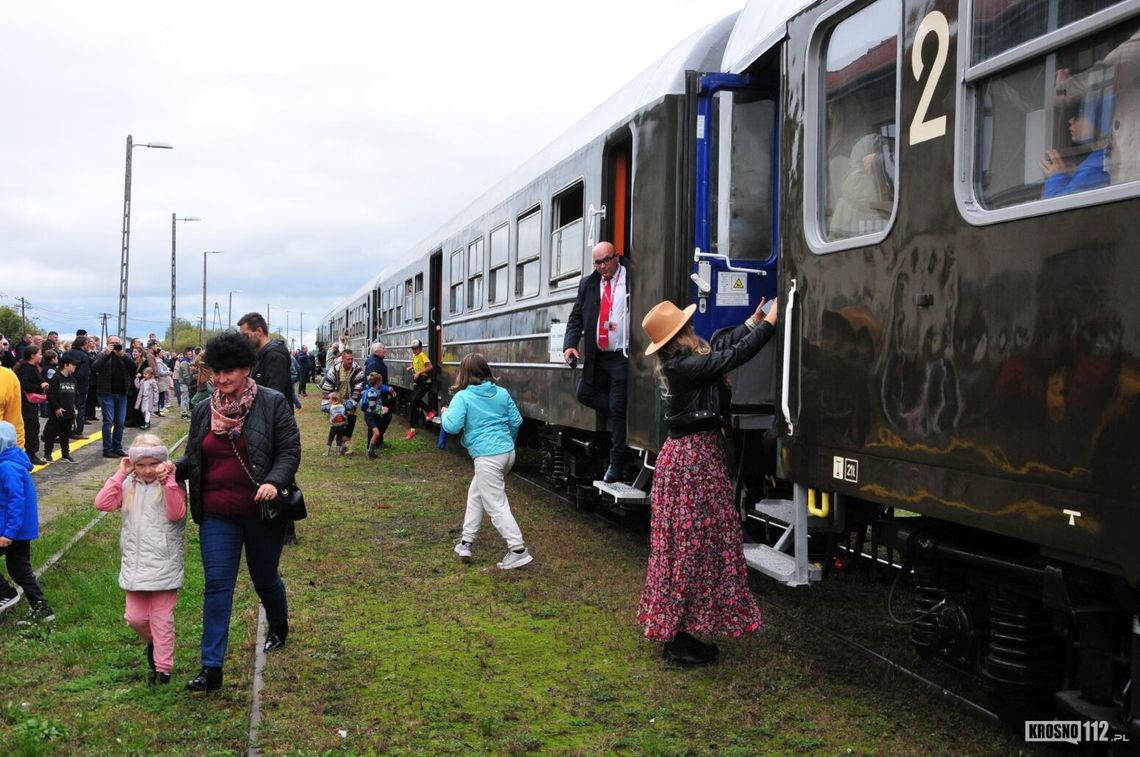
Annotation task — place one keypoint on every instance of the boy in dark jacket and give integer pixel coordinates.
(61, 395)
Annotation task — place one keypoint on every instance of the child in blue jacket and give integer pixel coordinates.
(489, 420)
(19, 524)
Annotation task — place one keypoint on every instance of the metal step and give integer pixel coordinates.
(782, 510)
(780, 566)
(621, 492)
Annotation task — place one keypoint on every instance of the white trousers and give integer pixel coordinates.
(488, 494)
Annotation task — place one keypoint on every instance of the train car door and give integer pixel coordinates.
(435, 308)
(737, 229)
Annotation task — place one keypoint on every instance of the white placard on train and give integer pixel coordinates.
(731, 289)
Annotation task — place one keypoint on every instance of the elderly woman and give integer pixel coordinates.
(697, 581)
(243, 446)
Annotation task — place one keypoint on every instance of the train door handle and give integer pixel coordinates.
(785, 399)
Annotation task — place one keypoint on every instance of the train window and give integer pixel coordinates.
(499, 256)
(749, 210)
(855, 170)
(456, 280)
(1059, 124)
(529, 248)
(475, 274)
(419, 297)
(568, 238)
(408, 301)
(1000, 25)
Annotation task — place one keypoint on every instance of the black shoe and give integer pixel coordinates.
(150, 657)
(613, 475)
(679, 653)
(162, 678)
(696, 645)
(144, 427)
(275, 637)
(68, 459)
(38, 460)
(209, 679)
(119, 453)
(41, 612)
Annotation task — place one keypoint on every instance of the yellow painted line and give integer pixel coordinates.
(75, 444)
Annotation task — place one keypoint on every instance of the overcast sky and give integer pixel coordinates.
(317, 142)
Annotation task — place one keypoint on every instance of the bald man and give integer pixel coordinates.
(599, 319)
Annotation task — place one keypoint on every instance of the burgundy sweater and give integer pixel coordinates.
(226, 489)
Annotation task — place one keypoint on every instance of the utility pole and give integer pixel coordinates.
(23, 316)
(103, 331)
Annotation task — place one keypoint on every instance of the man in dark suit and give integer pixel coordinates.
(599, 319)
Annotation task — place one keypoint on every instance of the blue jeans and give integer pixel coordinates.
(222, 538)
(114, 410)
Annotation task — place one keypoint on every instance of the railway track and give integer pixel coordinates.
(959, 700)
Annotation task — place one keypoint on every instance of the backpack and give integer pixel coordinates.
(371, 401)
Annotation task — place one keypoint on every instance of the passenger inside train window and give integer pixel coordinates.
(1086, 129)
(1064, 123)
(866, 194)
(857, 175)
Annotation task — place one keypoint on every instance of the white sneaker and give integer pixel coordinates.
(463, 549)
(516, 559)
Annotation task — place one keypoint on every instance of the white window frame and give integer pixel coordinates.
(965, 154)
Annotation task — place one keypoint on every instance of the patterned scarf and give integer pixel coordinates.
(227, 417)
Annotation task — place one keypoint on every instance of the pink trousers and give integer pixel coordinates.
(151, 614)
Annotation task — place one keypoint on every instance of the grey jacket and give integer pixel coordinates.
(272, 441)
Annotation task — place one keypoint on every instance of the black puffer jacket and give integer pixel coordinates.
(272, 368)
(698, 397)
(114, 372)
(272, 442)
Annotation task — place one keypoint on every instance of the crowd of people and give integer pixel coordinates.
(243, 451)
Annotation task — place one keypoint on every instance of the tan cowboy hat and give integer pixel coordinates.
(663, 322)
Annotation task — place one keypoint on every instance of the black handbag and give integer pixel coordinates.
(289, 504)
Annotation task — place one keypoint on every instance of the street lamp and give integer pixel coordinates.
(124, 263)
(202, 333)
(174, 219)
(231, 314)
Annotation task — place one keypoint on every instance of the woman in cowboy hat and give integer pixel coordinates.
(697, 581)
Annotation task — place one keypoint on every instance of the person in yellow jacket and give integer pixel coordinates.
(10, 403)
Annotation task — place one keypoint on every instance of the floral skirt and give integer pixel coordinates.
(697, 580)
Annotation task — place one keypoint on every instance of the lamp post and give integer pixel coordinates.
(202, 333)
(230, 317)
(174, 219)
(124, 262)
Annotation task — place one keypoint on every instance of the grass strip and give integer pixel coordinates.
(396, 647)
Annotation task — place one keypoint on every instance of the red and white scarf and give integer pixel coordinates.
(228, 416)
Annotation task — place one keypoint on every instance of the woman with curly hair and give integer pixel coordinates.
(243, 446)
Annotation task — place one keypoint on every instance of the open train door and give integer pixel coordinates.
(435, 310)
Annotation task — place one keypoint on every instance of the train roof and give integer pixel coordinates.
(758, 28)
(700, 51)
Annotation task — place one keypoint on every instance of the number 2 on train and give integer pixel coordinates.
(923, 128)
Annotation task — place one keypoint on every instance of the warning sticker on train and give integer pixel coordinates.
(845, 469)
(731, 289)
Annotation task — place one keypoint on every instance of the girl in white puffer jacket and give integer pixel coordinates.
(154, 523)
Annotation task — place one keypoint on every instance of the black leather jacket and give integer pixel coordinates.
(272, 442)
(698, 397)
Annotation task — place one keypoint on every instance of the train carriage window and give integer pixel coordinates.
(1001, 25)
(475, 274)
(419, 297)
(854, 157)
(529, 249)
(568, 238)
(1054, 125)
(408, 291)
(456, 280)
(499, 256)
